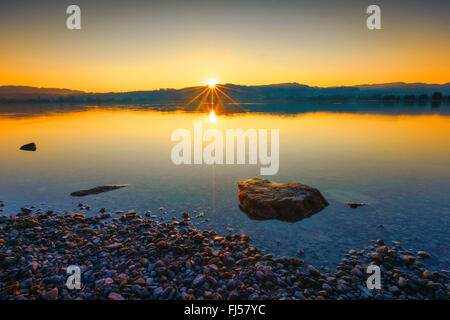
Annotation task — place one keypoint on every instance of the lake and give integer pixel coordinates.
(394, 157)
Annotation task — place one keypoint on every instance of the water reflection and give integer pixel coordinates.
(396, 159)
(18, 110)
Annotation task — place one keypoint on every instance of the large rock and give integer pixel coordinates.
(262, 199)
(29, 147)
(97, 190)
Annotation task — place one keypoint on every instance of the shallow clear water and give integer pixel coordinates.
(396, 158)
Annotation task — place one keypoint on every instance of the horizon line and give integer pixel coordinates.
(228, 83)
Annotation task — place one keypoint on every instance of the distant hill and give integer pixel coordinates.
(400, 85)
(25, 93)
(402, 88)
(241, 93)
(33, 90)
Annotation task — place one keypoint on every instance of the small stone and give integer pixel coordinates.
(395, 290)
(356, 272)
(433, 285)
(114, 246)
(402, 282)
(412, 285)
(355, 205)
(26, 210)
(198, 238)
(427, 274)
(33, 266)
(185, 215)
(201, 214)
(407, 259)
(299, 295)
(198, 280)
(423, 255)
(326, 287)
(136, 288)
(51, 294)
(115, 296)
(313, 271)
(29, 147)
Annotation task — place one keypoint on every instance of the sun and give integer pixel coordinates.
(212, 83)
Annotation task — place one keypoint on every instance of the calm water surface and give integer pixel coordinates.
(396, 159)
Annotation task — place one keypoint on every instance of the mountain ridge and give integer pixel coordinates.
(280, 91)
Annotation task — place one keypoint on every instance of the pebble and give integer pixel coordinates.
(132, 257)
(115, 296)
(423, 255)
(313, 271)
(402, 282)
(51, 294)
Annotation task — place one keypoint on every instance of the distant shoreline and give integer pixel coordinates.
(287, 92)
(89, 100)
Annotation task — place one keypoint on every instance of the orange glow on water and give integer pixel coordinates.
(212, 116)
(405, 138)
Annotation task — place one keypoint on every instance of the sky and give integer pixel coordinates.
(144, 45)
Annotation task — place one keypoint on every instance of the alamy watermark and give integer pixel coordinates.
(373, 22)
(73, 21)
(74, 278)
(374, 280)
(213, 153)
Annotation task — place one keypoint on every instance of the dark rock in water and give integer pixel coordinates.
(423, 255)
(29, 147)
(97, 190)
(313, 271)
(355, 205)
(26, 210)
(262, 199)
(185, 214)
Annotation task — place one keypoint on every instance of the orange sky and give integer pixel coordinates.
(151, 45)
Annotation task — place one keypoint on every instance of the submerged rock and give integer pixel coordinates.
(355, 205)
(423, 255)
(29, 147)
(262, 199)
(97, 190)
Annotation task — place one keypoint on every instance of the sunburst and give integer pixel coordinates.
(212, 83)
(217, 97)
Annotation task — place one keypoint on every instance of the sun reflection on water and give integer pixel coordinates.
(212, 116)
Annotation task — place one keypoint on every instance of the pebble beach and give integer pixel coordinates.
(129, 256)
